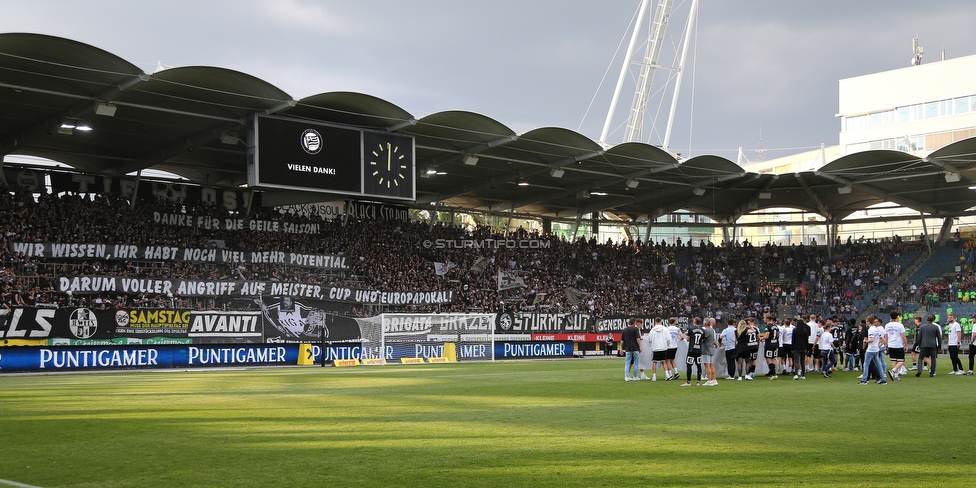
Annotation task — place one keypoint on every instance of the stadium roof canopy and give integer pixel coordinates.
(193, 122)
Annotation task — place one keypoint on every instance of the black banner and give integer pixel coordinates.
(291, 320)
(83, 326)
(523, 323)
(192, 288)
(18, 178)
(176, 254)
(377, 211)
(45, 323)
(616, 323)
(166, 192)
(251, 225)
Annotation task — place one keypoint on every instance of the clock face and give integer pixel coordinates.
(387, 165)
(388, 169)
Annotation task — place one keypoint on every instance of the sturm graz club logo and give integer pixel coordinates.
(311, 141)
(505, 321)
(83, 323)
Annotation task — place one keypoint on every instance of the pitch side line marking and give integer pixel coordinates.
(18, 485)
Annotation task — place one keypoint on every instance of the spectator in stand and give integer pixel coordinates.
(626, 278)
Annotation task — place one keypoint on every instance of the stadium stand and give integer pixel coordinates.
(614, 278)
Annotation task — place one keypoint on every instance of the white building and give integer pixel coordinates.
(917, 109)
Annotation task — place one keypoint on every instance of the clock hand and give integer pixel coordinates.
(388, 156)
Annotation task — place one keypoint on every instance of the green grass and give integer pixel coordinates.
(526, 423)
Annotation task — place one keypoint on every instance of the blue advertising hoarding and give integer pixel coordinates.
(126, 357)
(533, 349)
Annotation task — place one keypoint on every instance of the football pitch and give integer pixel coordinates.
(520, 423)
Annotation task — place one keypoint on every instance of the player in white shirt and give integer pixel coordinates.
(897, 341)
(972, 350)
(786, 347)
(670, 366)
(812, 340)
(875, 340)
(827, 351)
(955, 340)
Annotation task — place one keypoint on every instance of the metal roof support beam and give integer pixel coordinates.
(281, 106)
(401, 125)
(754, 199)
(663, 210)
(579, 217)
(831, 232)
(474, 150)
(135, 190)
(539, 197)
(946, 230)
(81, 109)
(433, 213)
(176, 149)
(508, 226)
(925, 234)
(905, 202)
(969, 173)
(508, 177)
(825, 209)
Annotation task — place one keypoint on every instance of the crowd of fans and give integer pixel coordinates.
(560, 275)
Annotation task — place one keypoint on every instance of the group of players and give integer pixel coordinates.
(792, 347)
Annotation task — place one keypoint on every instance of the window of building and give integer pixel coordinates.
(903, 115)
(961, 105)
(916, 112)
(945, 108)
(910, 113)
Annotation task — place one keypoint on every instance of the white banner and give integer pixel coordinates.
(508, 281)
(436, 326)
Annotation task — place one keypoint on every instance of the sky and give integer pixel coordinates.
(760, 74)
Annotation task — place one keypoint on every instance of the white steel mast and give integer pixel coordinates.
(648, 66)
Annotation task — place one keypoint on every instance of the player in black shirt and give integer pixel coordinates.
(695, 337)
(749, 340)
(771, 344)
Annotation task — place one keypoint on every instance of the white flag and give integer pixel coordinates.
(442, 268)
(508, 280)
(479, 264)
(575, 296)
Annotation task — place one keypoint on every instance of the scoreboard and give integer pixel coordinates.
(310, 156)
